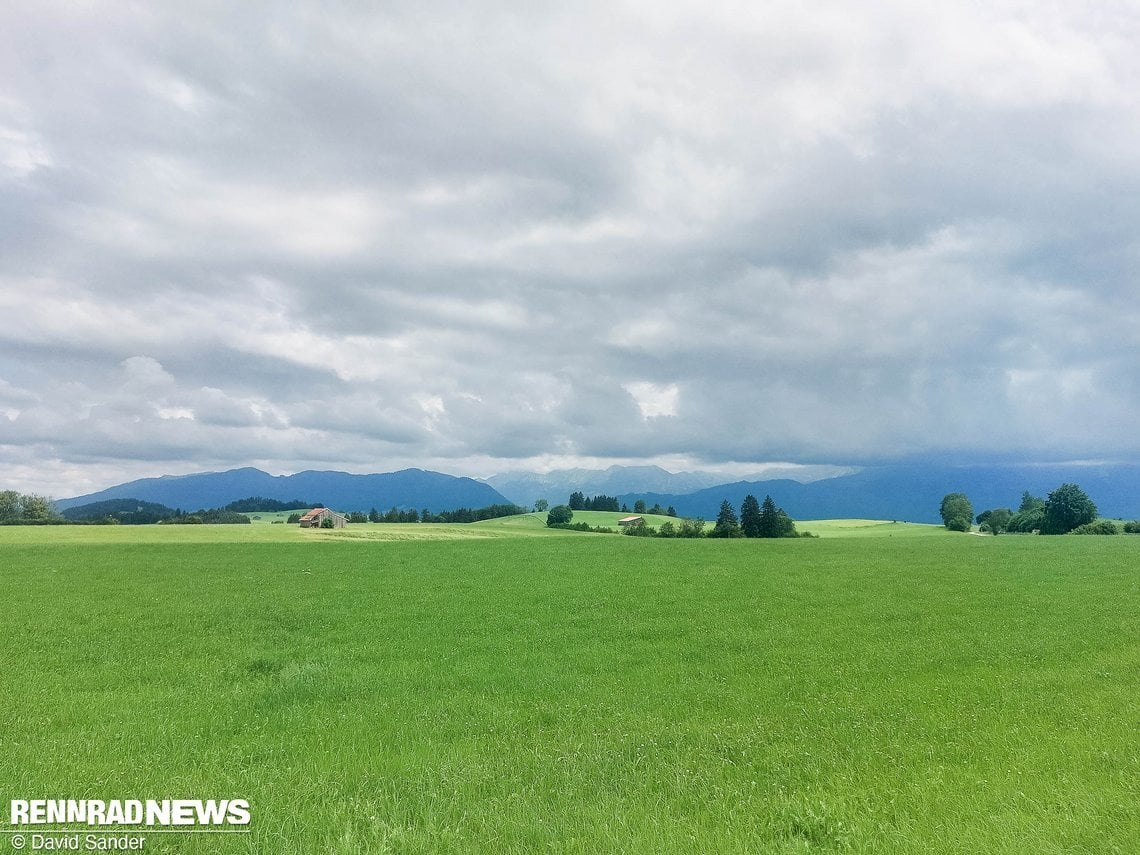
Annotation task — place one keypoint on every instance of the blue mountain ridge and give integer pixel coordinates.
(407, 489)
(913, 493)
(910, 493)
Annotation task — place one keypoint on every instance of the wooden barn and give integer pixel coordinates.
(316, 516)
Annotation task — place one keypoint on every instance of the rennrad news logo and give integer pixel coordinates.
(130, 812)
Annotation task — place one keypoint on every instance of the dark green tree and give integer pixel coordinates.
(995, 521)
(750, 516)
(785, 524)
(577, 501)
(559, 515)
(727, 524)
(769, 523)
(1030, 515)
(1066, 508)
(956, 511)
(541, 505)
(639, 506)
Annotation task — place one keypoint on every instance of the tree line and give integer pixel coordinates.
(411, 515)
(1066, 510)
(26, 509)
(254, 504)
(137, 512)
(459, 514)
(756, 519)
(580, 502)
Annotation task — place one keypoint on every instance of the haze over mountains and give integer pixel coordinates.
(911, 493)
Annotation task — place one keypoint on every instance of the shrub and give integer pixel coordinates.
(1098, 527)
(691, 528)
(1132, 527)
(639, 529)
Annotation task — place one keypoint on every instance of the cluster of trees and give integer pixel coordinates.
(459, 515)
(211, 516)
(16, 509)
(120, 512)
(1068, 509)
(756, 520)
(683, 528)
(26, 509)
(579, 502)
(639, 508)
(255, 504)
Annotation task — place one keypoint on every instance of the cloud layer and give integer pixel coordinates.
(481, 237)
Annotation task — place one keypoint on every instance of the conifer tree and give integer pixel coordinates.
(726, 523)
(750, 517)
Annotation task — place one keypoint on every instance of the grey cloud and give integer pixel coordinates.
(437, 235)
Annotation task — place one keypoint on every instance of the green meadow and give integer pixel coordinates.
(498, 687)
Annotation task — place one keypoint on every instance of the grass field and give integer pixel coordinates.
(580, 693)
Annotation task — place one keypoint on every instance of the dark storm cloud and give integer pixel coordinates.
(479, 238)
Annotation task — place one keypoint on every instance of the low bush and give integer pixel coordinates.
(1099, 527)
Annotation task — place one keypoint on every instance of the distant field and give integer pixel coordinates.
(872, 528)
(583, 693)
(528, 525)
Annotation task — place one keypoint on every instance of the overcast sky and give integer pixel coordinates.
(476, 237)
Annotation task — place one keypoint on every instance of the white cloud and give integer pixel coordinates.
(654, 400)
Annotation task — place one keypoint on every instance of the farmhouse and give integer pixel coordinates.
(316, 516)
(624, 521)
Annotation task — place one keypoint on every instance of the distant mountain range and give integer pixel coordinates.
(909, 493)
(914, 493)
(407, 489)
(526, 488)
